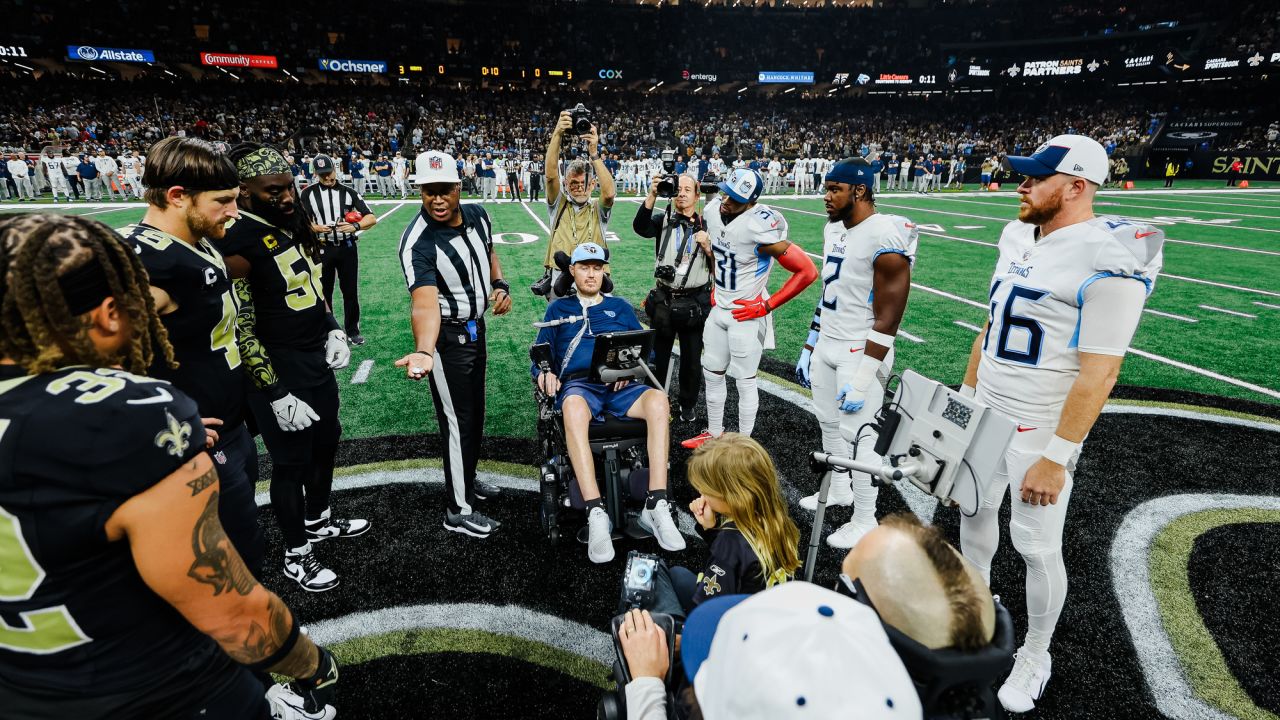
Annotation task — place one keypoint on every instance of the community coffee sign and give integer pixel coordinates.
(238, 60)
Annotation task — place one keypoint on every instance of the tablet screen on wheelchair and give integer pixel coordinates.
(620, 351)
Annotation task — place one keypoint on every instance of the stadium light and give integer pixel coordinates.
(793, 87)
(698, 89)
(660, 83)
(744, 88)
(24, 67)
(100, 72)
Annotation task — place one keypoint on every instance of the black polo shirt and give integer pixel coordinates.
(454, 259)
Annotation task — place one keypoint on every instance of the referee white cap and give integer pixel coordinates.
(434, 166)
(1067, 154)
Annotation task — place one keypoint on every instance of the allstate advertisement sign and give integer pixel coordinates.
(90, 53)
(353, 66)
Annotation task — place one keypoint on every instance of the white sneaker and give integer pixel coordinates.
(288, 705)
(850, 533)
(658, 521)
(1026, 683)
(599, 536)
(302, 566)
(840, 492)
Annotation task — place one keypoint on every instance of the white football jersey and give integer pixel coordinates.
(848, 272)
(129, 164)
(70, 165)
(52, 166)
(741, 271)
(1029, 355)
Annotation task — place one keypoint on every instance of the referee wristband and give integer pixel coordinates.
(1061, 451)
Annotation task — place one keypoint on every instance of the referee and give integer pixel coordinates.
(327, 203)
(453, 276)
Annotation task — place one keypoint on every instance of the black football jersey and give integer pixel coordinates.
(292, 319)
(203, 328)
(76, 619)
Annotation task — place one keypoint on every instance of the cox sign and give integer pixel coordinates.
(609, 74)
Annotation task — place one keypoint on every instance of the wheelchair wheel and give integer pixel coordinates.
(549, 496)
(609, 708)
(553, 536)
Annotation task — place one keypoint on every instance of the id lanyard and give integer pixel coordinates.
(573, 344)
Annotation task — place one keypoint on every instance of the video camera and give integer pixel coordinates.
(710, 184)
(580, 116)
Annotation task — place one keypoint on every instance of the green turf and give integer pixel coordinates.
(1245, 349)
(1204, 665)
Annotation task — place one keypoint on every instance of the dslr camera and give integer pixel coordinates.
(669, 183)
(580, 116)
(710, 184)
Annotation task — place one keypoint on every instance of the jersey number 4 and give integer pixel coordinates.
(48, 630)
(727, 267)
(1008, 321)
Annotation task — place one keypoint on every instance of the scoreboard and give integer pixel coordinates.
(518, 73)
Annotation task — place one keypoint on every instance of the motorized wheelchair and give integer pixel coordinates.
(619, 446)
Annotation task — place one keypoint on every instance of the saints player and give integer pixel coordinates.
(866, 277)
(128, 599)
(1065, 299)
(745, 239)
(273, 250)
(191, 196)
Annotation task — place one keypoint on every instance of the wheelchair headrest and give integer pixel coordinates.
(955, 683)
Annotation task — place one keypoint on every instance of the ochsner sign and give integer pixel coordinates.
(353, 66)
(238, 60)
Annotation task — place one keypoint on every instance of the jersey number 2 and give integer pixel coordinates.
(837, 262)
(48, 630)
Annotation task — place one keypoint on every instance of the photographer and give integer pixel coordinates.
(679, 304)
(575, 218)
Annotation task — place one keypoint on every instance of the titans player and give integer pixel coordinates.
(1065, 301)
(282, 306)
(191, 195)
(746, 238)
(121, 595)
(866, 277)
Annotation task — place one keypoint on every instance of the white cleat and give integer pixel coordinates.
(840, 492)
(1026, 683)
(288, 705)
(599, 536)
(850, 533)
(659, 522)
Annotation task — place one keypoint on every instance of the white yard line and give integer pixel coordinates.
(1170, 315)
(967, 326)
(909, 336)
(361, 375)
(1266, 305)
(1229, 312)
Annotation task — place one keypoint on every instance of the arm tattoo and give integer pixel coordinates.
(259, 643)
(216, 562)
(203, 482)
(254, 355)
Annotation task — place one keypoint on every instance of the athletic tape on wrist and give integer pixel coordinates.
(866, 373)
(1061, 451)
(880, 338)
(968, 391)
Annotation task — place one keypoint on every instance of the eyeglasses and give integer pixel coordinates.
(577, 185)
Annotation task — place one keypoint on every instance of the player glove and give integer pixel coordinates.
(854, 395)
(750, 309)
(320, 689)
(336, 351)
(806, 357)
(293, 414)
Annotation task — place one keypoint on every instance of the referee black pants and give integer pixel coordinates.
(535, 187)
(344, 260)
(457, 389)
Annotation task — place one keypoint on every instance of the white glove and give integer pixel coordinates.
(336, 351)
(293, 414)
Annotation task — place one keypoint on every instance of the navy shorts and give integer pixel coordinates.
(601, 399)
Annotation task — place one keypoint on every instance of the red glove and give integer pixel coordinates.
(751, 309)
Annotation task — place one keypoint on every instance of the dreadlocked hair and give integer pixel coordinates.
(37, 329)
(301, 228)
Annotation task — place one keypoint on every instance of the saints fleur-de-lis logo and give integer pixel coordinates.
(176, 437)
(710, 585)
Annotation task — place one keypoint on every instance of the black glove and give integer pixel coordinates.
(322, 688)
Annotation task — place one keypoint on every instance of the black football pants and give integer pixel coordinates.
(344, 260)
(302, 460)
(236, 459)
(457, 390)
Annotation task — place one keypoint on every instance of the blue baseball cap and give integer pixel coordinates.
(1067, 154)
(744, 185)
(852, 171)
(588, 252)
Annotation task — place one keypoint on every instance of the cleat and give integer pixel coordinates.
(473, 524)
(697, 440)
(850, 533)
(839, 493)
(1026, 683)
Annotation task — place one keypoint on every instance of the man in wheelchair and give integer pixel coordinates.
(576, 321)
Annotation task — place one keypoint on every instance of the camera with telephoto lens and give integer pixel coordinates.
(580, 117)
(638, 582)
(669, 182)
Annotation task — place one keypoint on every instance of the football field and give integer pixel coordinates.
(1168, 538)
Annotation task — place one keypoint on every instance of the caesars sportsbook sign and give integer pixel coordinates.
(237, 60)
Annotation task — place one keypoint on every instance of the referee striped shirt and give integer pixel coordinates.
(453, 259)
(327, 205)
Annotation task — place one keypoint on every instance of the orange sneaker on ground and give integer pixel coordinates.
(697, 440)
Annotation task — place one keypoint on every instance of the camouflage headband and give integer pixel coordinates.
(263, 161)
